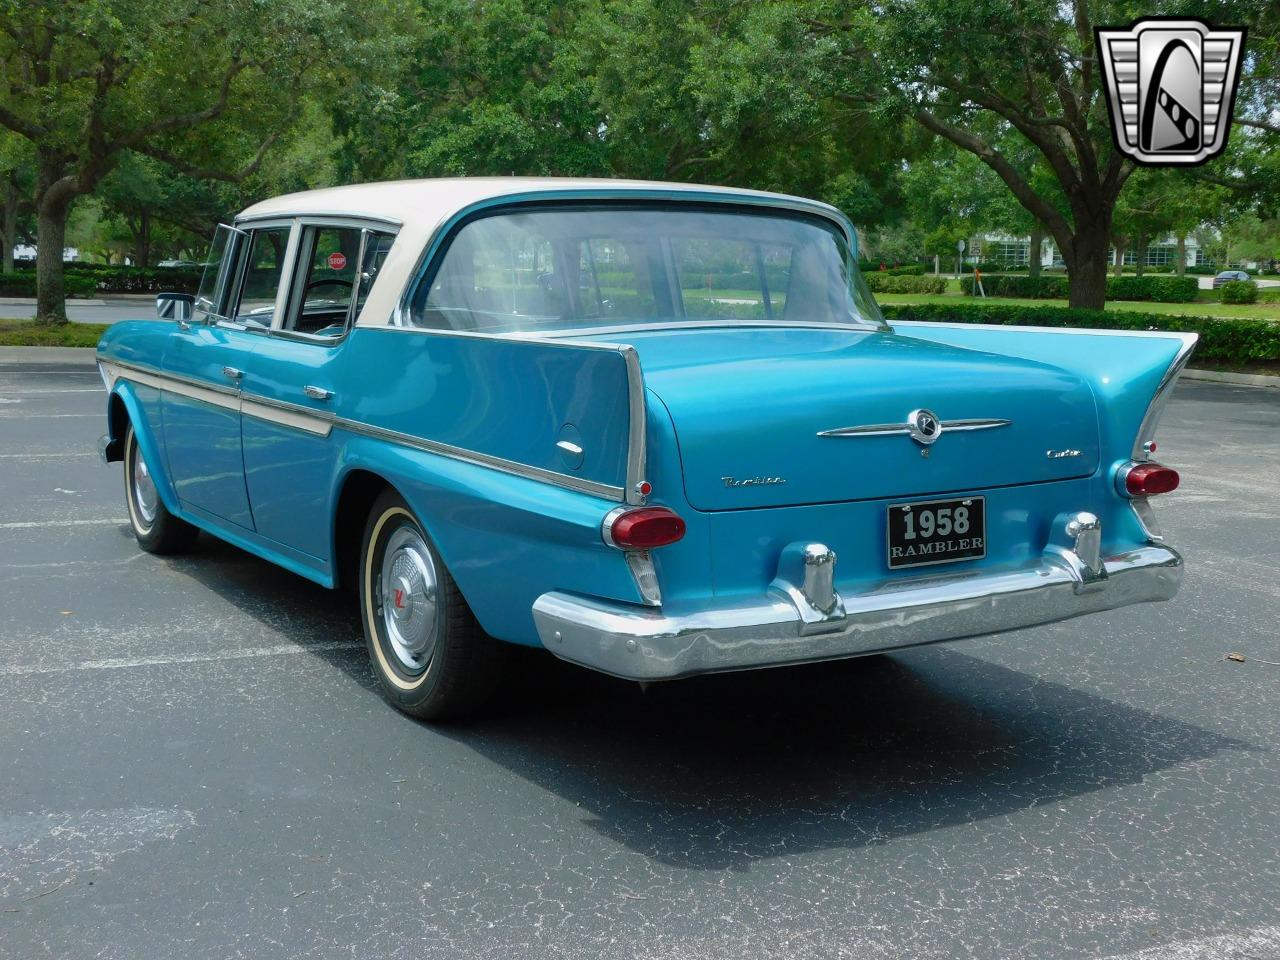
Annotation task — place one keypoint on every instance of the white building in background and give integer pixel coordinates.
(1016, 251)
(24, 251)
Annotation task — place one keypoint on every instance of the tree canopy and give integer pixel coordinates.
(919, 118)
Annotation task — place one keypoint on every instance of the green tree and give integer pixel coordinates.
(965, 68)
(16, 180)
(203, 85)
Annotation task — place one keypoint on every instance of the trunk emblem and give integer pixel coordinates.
(753, 481)
(924, 426)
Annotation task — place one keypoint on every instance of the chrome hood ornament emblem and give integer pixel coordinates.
(922, 426)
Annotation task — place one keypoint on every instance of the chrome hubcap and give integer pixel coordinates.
(407, 591)
(145, 498)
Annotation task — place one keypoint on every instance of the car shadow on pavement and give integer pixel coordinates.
(718, 772)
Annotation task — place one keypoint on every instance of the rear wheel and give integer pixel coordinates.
(431, 656)
(156, 529)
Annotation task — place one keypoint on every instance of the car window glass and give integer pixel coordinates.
(587, 266)
(376, 247)
(219, 266)
(331, 256)
(494, 273)
(262, 274)
(612, 280)
(735, 278)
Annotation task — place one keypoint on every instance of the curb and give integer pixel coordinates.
(59, 355)
(1238, 379)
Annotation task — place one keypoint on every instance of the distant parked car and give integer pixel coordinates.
(177, 263)
(634, 424)
(1226, 276)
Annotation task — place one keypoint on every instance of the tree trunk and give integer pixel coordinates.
(1087, 268)
(54, 194)
(1120, 244)
(144, 239)
(1033, 254)
(10, 229)
(1140, 255)
(1182, 254)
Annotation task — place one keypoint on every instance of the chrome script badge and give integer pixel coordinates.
(1171, 85)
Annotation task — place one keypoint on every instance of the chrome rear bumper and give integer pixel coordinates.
(644, 643)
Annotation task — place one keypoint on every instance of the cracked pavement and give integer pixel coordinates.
(195, 761)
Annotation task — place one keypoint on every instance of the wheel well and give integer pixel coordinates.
(360, 489)
(117, 422)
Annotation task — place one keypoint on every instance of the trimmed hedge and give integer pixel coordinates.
(22, 283)
(1238, 291)
(140, 279)
(906, 283)
(1158, 289)
(901, 270)
(1225, 340)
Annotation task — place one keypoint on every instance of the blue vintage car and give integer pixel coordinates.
(656, 429)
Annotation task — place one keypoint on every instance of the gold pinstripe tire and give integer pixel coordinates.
(431, 656)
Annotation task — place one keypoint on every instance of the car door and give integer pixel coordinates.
(205, 364)
(288, 393)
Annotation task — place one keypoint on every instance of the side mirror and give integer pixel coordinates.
(175, 306)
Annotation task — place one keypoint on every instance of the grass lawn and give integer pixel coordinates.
(28, 333)
(1257, 311)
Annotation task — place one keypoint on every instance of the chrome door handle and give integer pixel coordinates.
(232, 372)
(317, 393)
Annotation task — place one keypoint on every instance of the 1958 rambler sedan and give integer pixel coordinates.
(657, 429)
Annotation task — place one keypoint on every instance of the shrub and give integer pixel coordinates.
(1238, 291)
(882, 282)
(1035, 288)
(22, 283)
(1160, 289)
(141, 279)
(1223, 340)
(907, 269)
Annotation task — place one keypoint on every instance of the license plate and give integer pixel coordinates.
(937, 531)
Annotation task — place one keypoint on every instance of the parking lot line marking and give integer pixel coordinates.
(43, 456)
(49, 416)
(280, 650)
(25, 391)
(33, 524)
(1262, 942)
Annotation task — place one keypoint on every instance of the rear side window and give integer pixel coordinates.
(337, 266)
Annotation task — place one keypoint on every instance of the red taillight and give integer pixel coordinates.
(1146, 479)
(644, 528)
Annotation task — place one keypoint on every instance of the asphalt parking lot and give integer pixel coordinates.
(195, 762)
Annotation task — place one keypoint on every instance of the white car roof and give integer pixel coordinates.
(420, 208)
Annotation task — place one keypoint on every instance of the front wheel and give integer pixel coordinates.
(155, 528)
(431, 656)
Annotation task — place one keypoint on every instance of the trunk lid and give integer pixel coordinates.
(748, 406)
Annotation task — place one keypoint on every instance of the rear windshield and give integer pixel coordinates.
(574, 268)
